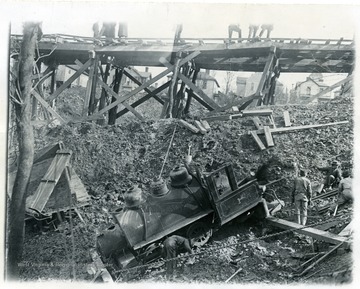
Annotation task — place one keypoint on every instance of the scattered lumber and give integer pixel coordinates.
(257, 112)
(326, 195)
(200, 127)
(268, 137)
(189, 126)
(258, 140)
(294, 128)
(257, 122)
(320, 259)
(205, 125)
(312, 232)
(287, 119)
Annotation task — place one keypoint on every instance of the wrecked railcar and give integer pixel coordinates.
(192, 205)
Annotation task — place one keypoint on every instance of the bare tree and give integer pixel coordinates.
(22, 105)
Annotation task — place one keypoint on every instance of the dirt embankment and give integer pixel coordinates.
(109, 159)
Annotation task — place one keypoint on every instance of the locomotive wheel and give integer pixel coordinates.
(200, 233)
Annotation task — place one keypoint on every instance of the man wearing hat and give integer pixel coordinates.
(301, 196)
(333, 175)
(172, 246)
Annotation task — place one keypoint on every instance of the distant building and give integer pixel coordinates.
(207, 83)
(248, 86)
(240, 86)
(311, 87)
(64, 72)
(142, 76)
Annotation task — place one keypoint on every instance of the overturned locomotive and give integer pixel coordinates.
(192, 205)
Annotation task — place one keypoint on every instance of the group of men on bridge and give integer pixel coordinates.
(253, 29)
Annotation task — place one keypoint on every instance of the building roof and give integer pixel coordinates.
(204, 76)
(310, 79)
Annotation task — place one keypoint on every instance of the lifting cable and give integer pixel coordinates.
(167, 153)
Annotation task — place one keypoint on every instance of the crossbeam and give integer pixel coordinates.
(70, 80)
(47, 106)
(144, 85)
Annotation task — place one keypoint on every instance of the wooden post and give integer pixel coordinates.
(93, 100)
(103, 92)
(188, 102)
(113, 111)
(85, 110)
(173, 86)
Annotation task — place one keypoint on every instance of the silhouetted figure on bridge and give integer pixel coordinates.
(253, 30)
(108, 30)
(234, 28)
(268, 28)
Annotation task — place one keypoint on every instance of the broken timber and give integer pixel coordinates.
(258, 140)
(294, 128)
(287, 121)
(268, 136)
(311, 232)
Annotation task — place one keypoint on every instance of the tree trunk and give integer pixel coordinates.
(26, 151)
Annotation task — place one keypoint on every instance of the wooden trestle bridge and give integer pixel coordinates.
(182, 60)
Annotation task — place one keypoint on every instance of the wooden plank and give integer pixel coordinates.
(78, 188)
(302, 127)
(235, 103)
(144, 85)
(257, 140)
(192, 86)
(266, 70)
(45, 189)
(47, 106)
(235, 109)
(257, 122)
(189, 126)
(268, 136)
(200, 127)
(287, 118)
(114, 94)
(330, 88)
(70, 80)
(347, 231)
(205, 124)
(257, 112)
(191, 95)
(308, 231)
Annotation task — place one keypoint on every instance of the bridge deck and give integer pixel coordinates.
(313, 55)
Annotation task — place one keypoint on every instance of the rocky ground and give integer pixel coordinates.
(109, 159)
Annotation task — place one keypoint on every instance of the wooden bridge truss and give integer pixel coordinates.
(183, 61)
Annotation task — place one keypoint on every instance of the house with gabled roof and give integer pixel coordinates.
(313, 84)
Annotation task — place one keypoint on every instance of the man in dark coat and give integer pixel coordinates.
(301, 196)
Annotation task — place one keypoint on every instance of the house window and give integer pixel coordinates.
(308, 90)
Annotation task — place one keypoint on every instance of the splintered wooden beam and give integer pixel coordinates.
(268, 136)
(294, 128)
(70, 80)
(287, 119)
(205, 124)
(200, 127)
(308, 231)
(257, 140)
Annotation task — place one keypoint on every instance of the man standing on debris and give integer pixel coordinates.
(301, 196)
(333, 175)
(173, 246)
